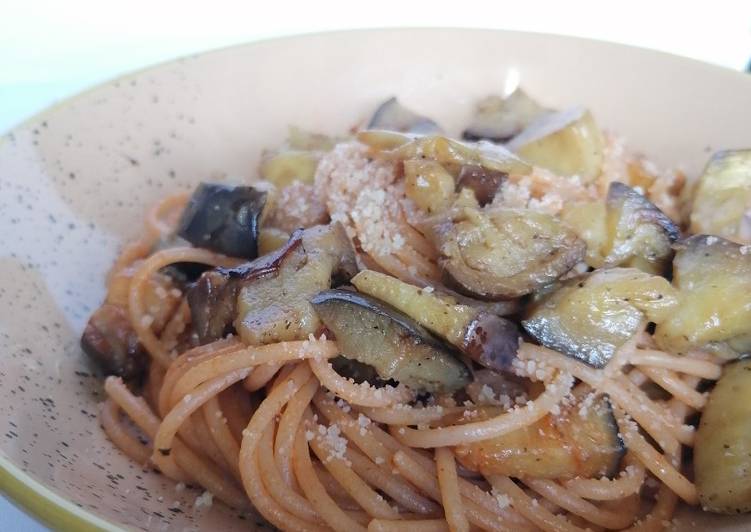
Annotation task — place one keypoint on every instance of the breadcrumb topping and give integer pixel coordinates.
(363, 197)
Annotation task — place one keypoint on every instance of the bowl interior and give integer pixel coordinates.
(76, 180)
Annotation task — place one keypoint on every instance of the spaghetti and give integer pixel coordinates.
(277, 428)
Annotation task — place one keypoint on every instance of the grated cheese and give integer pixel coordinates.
(205, 500)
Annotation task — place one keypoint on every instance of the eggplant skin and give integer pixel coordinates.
(483, 182)
(713, 278)
(349, 368)
(393, 116)
(491, 341)
(380, 336)
(224, 219)
(722, 451)
(109, 340)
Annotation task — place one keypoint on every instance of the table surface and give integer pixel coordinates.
(50, 50)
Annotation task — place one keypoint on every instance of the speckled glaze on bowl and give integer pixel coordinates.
(75, 182)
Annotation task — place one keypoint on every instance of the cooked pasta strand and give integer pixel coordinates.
(448, 483)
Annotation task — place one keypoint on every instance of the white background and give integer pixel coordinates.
(52, 49)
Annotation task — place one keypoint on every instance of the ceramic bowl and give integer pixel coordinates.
(75, 182)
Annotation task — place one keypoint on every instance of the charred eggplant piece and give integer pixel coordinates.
(213, 299)
(428, 185)
(483, 182)
(582, 441)
(628, 230)
(110, 341)
(224, 218)
(277, 308)
(393, 116)
(380, 336)
(590, 317)
(639, 234)
(109, 338)
(722, 452)
(567, 142)
(499, 119)
(487, 339)
(266, 300)
(504, 253)
(350, 368)
(722, 200)
(713, 278)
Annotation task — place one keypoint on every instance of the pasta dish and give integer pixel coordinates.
(528, 328)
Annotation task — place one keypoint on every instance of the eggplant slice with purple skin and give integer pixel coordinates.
(713, 279)
(266, 300)
(397, 347)
(721, 197)
(499, 119)
(580, 441)
(393, 116)
(111, 342)
(503, 253)
(224, 219)
(487, 339)
(213, 298)
(722, 450)
(639, 234)
(591, 316)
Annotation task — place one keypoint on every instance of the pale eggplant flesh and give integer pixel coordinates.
(722, 451)
(713, 279)
(485, 183)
